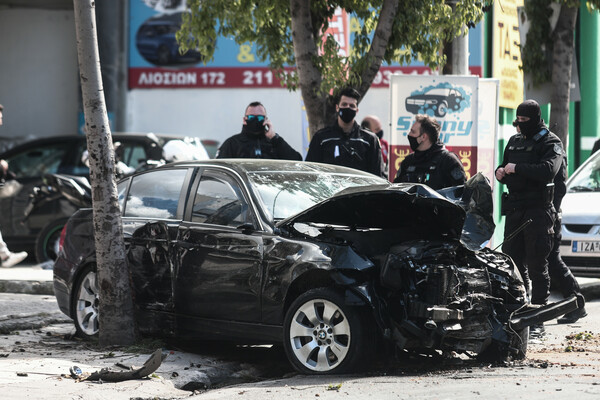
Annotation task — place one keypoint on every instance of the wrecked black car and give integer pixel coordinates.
(334, 263)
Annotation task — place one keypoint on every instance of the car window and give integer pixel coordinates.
(121, 190)
(37, 161)
(587, 178)
(219, 201)
(155, 194)
(132, 153)
(287, 193)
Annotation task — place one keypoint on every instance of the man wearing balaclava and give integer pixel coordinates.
(532, 158)
(346, 143)
(430, 162)
(258, 139)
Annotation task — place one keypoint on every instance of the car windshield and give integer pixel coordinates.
(285, 194)
(587, 179)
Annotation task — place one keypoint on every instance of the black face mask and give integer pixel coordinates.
(347, 114)
(255, 127)
(379, 134)
(414, 144)
(528, 128)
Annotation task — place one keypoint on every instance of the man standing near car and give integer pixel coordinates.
(558, 270)
(430, 163)
(7, 257)
(258, 139)
(346, 143)
(531, 160)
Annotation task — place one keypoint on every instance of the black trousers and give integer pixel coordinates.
(530, 248)
(558, 270)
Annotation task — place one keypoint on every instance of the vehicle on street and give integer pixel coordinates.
(580, 245)
(335, 263)
(37, 229)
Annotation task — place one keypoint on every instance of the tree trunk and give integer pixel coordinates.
(381, 37)
(562, 62)
(116, 305)
(309, 76)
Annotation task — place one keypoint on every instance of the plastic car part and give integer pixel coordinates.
(85, 303)
(323, 335)
(46, 244)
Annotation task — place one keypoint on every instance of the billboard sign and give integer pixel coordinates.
(451, 99)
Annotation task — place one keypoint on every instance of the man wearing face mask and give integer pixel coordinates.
(258, 139)
(346, 143)
(430, 163)
(531, 161)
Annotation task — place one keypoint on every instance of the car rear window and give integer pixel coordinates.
(155, 195)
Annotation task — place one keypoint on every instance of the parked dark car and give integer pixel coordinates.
(333, 262)
(156, 41)
(37, 231)
(438, 100)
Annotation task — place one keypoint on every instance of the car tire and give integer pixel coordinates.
(84, 303)
(442, 109)
(46, 243)
(323, 335)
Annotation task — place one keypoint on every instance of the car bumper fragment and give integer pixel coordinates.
(531, 316)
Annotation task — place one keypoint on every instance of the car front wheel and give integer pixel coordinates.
(85, 303)
(322, 335)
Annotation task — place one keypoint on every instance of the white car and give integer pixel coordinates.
(580, 245)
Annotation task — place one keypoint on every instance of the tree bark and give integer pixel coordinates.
(383, 31)
(309, 76)
(562, 57)
(116, 304)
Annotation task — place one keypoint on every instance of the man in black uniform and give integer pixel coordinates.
(430, 163)
(558, 270)
(346, 143)
(532, 158)
(257, 139)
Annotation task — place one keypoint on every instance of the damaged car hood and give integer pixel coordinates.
(461, 212)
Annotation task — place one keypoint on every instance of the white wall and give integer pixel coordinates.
(38, 72)
(217, 113)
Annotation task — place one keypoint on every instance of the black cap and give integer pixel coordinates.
(531, 109)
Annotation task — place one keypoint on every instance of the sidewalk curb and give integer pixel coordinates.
(27, 287)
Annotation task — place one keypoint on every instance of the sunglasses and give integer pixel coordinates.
(259, 118)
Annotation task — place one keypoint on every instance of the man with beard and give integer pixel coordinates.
(531, 160)
(346, 143)
(258, 139)
(430, 163)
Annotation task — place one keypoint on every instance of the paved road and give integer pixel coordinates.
(44, 354)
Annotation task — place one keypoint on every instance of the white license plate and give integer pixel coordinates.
(585, 247)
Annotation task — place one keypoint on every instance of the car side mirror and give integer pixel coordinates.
(246, 227)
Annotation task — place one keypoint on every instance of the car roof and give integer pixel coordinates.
(117, 136)
(256, 165)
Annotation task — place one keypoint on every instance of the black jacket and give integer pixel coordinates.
(249, 145)
(538, 159)
(359, 149)
(436, 167)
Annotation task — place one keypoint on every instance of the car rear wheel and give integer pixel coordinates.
(322, 335)
(442, 109)
(85, 303)
(46, 243)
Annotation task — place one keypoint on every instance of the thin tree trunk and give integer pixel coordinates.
(381, 37)
(116, 305)
(562, 57)
(309, 76)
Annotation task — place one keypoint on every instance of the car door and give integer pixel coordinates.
(220, 252)
(152, 212)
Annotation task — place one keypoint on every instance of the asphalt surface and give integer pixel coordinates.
(38, 350)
